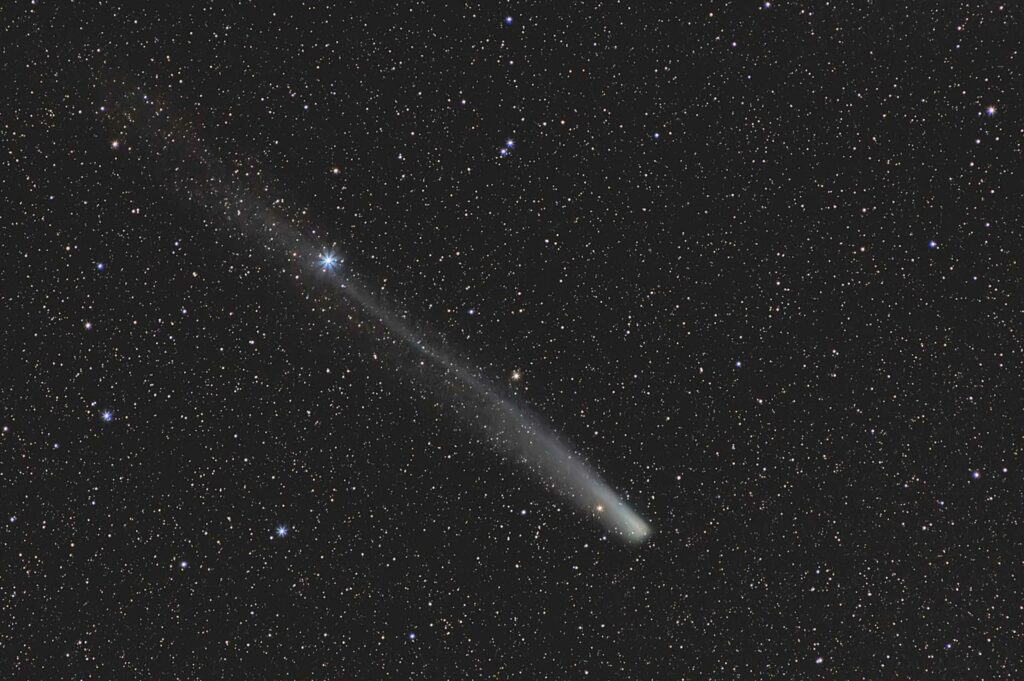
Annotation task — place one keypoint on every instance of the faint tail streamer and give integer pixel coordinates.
(521, 436)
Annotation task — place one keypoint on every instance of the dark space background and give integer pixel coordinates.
(760, 263)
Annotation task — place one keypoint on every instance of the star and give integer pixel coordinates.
(933, 244)
(281, 531)
(990, 110)
(107, 415)
(508, 21)
(101, 266)
(516, 375)
(328, 261)
(183, 564)
(509, 143)
(412, 635)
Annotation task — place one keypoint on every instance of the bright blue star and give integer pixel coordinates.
(933, 244)
(107, 415)
(101, 266)
(510, 143)
(508, 21)
(412, 635)
(328, 261)
(503, 152)
(281, 531)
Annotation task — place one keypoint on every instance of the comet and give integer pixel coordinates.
(521, 435)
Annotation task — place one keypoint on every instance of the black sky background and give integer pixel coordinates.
(761, 265)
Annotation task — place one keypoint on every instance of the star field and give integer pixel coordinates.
(758, 262)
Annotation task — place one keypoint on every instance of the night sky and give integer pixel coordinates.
(758, 264)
